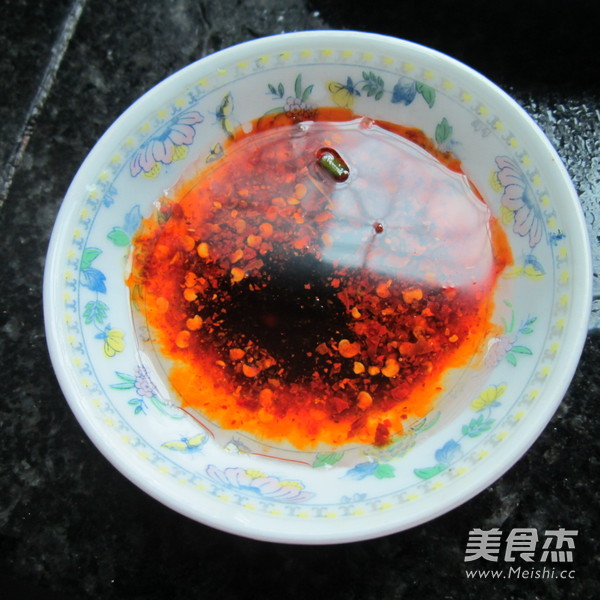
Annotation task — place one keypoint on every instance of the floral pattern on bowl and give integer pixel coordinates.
(227, 479)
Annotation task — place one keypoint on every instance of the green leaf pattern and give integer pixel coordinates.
(427, 92)
(373, 85)
(443, 131)
(327, 459)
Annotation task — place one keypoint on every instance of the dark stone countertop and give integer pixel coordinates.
(70, 525)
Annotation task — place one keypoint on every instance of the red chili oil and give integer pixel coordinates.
(300, 306)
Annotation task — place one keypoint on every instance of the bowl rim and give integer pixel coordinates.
(496, 465)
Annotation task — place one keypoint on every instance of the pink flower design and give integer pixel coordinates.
(143, 386)
(257, 483)
(499, 348)
(161, 148)
(294, 104)
(517, 198)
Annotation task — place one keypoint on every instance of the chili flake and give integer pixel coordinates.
(284, 304)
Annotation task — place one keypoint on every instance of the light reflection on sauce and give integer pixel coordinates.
(303, 307)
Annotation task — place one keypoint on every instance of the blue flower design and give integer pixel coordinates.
(404, 91)
(361, 471)
(89, 276)
(444, 456)
(93, 279)
(449, 452)
(166, 146)
(366, 469)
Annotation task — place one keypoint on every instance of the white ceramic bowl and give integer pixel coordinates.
(472, 437)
